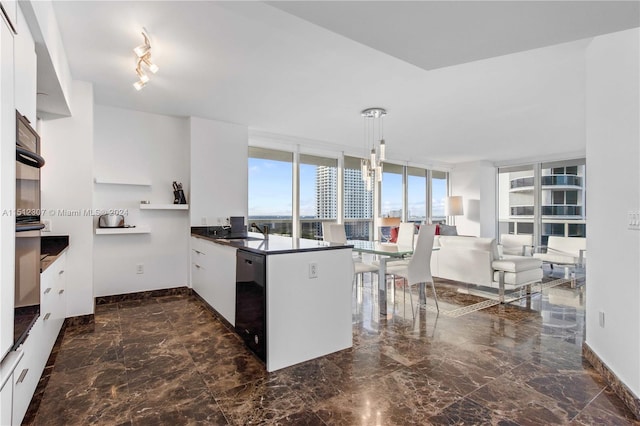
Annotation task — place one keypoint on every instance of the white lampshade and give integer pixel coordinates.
(453, 206)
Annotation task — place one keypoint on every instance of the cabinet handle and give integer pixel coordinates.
(23, 373)
(61, 272)
(46, 317)
(196, 265)
(199, 252)
(47, 290)
(61, 291)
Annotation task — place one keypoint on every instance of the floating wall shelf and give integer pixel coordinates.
(120, 231)
(164, 206)
(116, 181)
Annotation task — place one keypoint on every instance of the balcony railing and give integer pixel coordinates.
(548, 180)
(562, 180)
(311, 228)
(561, 210)
(556, 210)
(523, 182)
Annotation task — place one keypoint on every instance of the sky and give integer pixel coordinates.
(270, 190)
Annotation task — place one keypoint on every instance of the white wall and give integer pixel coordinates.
(476, 183)
(134, 146)
(219, 171)
(67, 184)
(613, 164)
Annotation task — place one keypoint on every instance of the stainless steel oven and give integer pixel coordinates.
(28, 226)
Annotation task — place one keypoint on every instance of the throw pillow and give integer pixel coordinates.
(394, 234)
(448, 230)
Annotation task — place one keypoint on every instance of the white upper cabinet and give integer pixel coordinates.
(26, 71)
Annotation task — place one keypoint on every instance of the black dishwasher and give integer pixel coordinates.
(251, 300)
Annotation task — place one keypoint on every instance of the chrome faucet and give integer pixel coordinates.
(264, 230)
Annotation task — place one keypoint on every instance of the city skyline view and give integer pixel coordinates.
(270, 191)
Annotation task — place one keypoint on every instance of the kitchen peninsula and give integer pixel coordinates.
(294, 300)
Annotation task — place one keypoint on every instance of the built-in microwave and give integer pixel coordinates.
(28, 226)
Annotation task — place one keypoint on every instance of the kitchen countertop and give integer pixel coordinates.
(51, 247)
(275, 244)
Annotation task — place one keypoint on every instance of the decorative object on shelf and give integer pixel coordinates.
(178, 194)
(143, 52)
(372, 167)
(453, 207)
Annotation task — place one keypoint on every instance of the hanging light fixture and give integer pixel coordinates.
(143, 52)
(371, 168)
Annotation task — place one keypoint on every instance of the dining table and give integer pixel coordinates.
(387, 252)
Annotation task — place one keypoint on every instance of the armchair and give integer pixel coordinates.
(517, 245)
(564, 251)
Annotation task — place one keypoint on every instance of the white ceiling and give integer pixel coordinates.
(462, 81)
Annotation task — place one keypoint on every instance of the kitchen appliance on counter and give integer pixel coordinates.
(111, 221)
(178, 194)
(28, 226)
(251, 301)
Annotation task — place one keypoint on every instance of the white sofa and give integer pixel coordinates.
(476, 261)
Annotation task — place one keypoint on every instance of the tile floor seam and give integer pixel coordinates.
(588, 403)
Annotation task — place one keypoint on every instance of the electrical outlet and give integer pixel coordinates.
(203, 221)
(47, 226)
(139, 268)
(633, 220)
(601, 318)
(219, 221)
(313, 270)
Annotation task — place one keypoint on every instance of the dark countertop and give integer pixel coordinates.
(51, 247)
(275, 244)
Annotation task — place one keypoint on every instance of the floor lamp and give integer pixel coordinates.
(453, 207)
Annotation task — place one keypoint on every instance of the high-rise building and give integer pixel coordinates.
(562, 202)
(358, 202)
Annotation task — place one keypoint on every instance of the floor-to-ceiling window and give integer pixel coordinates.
(439, 191)
(358, 202)
(392, 190)
(562, 206)
(416, 194)
(516, 211)
(543, 199)
(270, 189)
(411, 193)
(318, 193)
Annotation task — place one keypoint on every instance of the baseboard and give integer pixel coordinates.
(140, 295)
(623, 392)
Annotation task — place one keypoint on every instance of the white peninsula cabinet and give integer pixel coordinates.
(213, 275)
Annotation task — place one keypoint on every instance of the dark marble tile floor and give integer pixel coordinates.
(168, 360)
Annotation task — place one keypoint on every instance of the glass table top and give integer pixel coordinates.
(374, 247)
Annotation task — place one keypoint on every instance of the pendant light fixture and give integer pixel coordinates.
(371, 168)
(143, 52)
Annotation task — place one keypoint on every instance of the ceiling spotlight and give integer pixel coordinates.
(143, 52)
(147, 60)
(139, 85)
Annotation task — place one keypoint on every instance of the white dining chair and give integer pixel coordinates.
(418, 269)
(335, 233)
(406, 234)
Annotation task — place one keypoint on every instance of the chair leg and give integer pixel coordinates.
(435, 296)
(408, 287)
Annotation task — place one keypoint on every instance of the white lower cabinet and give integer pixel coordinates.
(213, 275)
(53, 299)
(39, 343)
(28, 372)
(6, 402)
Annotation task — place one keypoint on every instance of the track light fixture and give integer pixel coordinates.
(143, 52)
